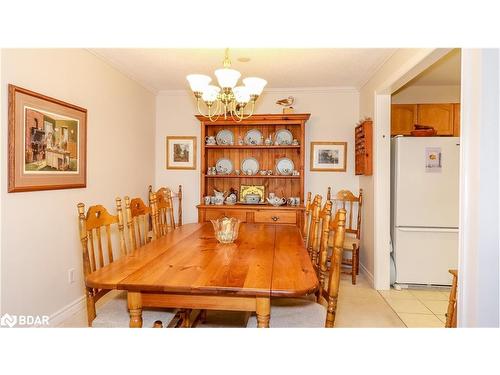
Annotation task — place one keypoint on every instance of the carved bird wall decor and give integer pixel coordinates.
(286, 102)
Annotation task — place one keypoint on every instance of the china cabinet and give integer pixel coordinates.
(279, 166)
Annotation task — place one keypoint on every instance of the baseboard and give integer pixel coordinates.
(367, 274)
(61, 315)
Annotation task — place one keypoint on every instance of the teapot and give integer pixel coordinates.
(275, 201)
(219, 197)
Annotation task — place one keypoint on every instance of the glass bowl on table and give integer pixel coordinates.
(226, 229)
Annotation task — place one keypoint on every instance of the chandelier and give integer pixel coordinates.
(228, 99)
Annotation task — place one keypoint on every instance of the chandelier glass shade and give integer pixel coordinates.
(226, 99)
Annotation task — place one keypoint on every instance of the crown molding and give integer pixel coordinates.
(283, 90)
(117, 67)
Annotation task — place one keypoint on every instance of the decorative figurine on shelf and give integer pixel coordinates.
(269, 140)
(286, 103)
(295, 142)
(241, 142)
(210, 140)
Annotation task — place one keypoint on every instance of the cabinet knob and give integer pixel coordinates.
(275, 218)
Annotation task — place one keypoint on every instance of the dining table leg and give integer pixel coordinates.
(263, 310)
(135, 309)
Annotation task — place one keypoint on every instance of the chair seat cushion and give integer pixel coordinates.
(349, 241)
(114, 314)
(294, 313)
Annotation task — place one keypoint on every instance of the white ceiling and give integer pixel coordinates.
(445, 71)
(166, 69)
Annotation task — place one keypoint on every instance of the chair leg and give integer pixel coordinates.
(357, 260)
(91, 314)
(354, 263)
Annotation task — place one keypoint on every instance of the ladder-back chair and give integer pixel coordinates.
(95, 225)
(348, 201)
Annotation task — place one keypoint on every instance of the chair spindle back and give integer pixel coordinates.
(307, 218)
(138, 222)
(313, 236)
(94, 225)
(348, 201)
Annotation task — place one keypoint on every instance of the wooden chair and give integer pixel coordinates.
(346, 200)
(307, 218)
(303, 312)
(313, 234)
(94, 225)
(451, 314)
(163, 210)
(139, 218)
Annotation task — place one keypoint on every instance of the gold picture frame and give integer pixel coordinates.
(328, 157)
(47, 142)
(181, 152)
(252, 189)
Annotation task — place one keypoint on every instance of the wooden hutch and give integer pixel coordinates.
(287, 186)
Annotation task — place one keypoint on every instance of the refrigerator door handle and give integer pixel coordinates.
(423, 229)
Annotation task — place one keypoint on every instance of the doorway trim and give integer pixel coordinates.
(382, 159)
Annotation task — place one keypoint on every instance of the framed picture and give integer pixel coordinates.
(47, 142)
(181, 152)
(328, 156)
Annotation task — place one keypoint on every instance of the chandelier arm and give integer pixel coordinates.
(200, 111)
(251, 112)
(216, 111)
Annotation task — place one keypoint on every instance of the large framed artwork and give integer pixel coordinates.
(47, 142)
(181, 152)
(328, 156)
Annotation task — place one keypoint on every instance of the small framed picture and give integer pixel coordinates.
(328, 156)
(47, 142)
(181, 152)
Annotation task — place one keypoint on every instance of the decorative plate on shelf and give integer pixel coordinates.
(284, 166)
(224, 166)
(249, 164)
(253, 137)
(225, 137)
(284, 137)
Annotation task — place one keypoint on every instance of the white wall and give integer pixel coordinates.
(39, 233)
(334, 113)
(427, 94)
(478, 298)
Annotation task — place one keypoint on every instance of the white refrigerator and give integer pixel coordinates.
(424, 208)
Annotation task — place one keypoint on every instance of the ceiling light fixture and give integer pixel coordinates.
(228, 99)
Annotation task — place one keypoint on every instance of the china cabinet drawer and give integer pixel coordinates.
(278, 217)
(216, 214)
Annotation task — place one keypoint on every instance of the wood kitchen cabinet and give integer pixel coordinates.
(444, 117)
(403, 117)
(439, 116)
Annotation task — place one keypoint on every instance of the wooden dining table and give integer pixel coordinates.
(189, 269)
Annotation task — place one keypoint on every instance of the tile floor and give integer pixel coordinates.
(359, 306)
(423, 307)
